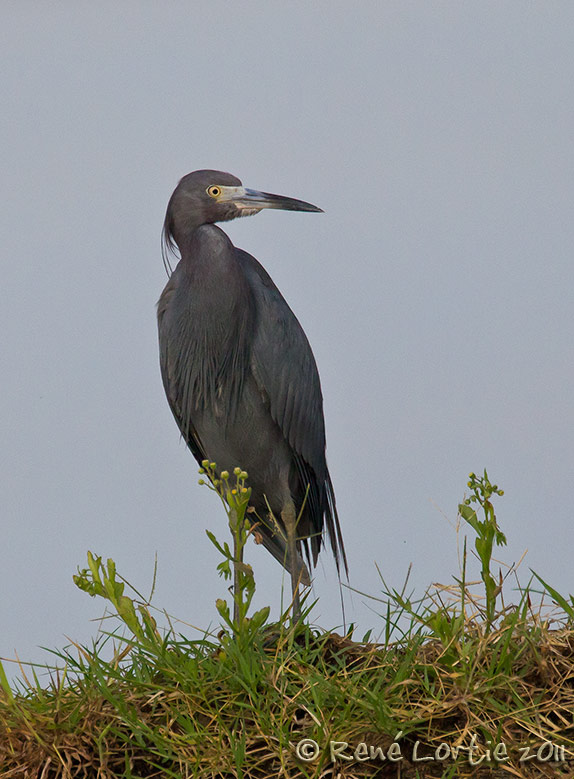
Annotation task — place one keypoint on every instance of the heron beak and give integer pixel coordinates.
(252, 200)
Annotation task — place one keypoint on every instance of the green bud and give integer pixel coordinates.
(237, 470)
(243, 475)
(205, 463)
(201, 481)
(225, 475)
(212, 465)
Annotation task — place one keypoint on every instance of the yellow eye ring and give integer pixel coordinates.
(213, 191)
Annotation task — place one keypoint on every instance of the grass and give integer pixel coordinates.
(458, 671)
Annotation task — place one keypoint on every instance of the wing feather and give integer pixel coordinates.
(284, 366)
(285, 370)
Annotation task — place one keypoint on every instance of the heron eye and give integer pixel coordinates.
(213, 191)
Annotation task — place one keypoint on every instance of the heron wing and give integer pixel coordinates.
(285, 369)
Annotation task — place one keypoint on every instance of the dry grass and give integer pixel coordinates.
(202, 710)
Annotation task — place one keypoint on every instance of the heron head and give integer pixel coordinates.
(207, 196)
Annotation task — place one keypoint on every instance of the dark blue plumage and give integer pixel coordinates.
(238, 370)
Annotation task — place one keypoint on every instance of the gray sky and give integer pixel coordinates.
(436, 290)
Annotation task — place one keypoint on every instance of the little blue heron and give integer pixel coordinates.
(239, 373)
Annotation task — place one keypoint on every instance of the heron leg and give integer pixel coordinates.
(289, 518)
